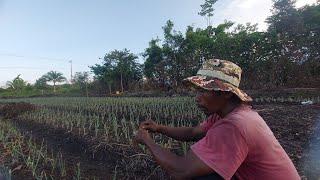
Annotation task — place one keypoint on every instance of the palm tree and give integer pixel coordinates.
(55, 77)
(17, 84)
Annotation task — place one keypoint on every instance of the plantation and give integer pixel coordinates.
(91, 138)
(160, 90)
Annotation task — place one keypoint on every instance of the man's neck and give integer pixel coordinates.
(228, 108)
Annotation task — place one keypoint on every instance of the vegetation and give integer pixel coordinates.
(120, 70)
(91, 137)
(286, 55)
(38, 159)
(17, 84)
(105, 126)
(68, 138)
(55, 77)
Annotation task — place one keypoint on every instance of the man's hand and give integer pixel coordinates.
(150, 126)
(142, 136)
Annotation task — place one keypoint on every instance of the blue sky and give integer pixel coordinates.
(41, 35)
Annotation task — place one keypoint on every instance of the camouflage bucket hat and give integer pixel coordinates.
(219, 75)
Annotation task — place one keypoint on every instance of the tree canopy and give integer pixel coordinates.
(119, 70)
(55, 77)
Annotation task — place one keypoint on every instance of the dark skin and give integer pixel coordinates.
(188, 166)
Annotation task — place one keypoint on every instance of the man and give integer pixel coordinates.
(234, 142)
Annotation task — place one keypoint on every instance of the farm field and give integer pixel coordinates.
(85, 85)
(91, 138)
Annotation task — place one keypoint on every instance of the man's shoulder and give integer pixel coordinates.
(243, 114)
(242, 118)
(245, 119)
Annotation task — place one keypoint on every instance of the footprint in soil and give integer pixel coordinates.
(312, 162)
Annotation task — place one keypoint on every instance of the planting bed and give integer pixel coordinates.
(91, 138)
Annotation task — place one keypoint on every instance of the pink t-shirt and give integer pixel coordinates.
(243, 145)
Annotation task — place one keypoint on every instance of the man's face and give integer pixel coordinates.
(210, 101)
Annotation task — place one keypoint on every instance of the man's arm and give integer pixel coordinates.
(179, 167)
(178, 133)
(183, 133)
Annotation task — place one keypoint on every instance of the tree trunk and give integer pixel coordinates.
(54, 87)
(87, 90)
(121, 82)
(110, 89)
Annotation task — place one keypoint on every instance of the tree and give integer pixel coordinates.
(55, 77)
(207, 10)
(118, 66)
(286, 55)
(173, 54)
(82, 79)
(41, 83)
(283, 14)
(287, 24)
(124, 66)
(154, 63)
(17, 84)
(104, 74)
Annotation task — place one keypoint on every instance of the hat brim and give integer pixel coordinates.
(216, 85)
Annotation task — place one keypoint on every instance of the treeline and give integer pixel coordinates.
(52, 83)
(286, 55)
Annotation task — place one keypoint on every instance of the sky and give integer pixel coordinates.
(37, 36)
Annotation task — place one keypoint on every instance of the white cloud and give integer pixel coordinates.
(301, 3)
(243, 11)
(253, 11)
(246, 3)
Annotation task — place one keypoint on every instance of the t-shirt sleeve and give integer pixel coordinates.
(223, 149)
(207, 124)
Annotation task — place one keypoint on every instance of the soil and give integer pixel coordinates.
(73, 149)
(295, 126)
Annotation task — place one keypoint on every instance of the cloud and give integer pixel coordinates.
(243, 11)
(301, 3)
(246, 4)
(253, 11)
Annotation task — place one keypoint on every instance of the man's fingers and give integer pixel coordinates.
(148, 121)
(142, 131)
(145, 124)
(147, 128)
